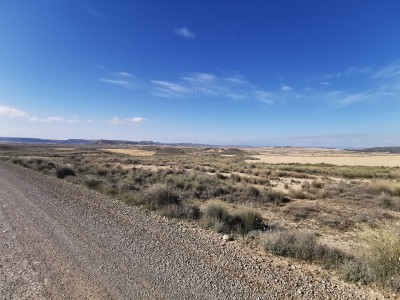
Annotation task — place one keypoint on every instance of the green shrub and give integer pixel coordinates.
(216, 210)
(389, 187)
(302, 245)
(386, 201)
(181, 211)
(253, 192)
(299, 194)
(383, 255)
(250, 219)
(131, 198)
(275, 196)
(102, 172)
(356, 271)
(217, 216)
(236, 178)
(63, 172)
(159, 195)
(93, 183)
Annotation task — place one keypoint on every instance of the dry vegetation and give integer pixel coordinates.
(342, 217)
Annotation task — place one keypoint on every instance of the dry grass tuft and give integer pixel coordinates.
(383, 254)
(302, 245)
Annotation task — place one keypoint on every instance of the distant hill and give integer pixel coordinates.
(117, 142)
(102, 142)
(44, 141)
(73, 141)
(381, 149)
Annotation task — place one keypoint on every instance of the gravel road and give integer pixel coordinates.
(62, 241)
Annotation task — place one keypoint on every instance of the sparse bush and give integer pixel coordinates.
(216, 210)
(389, 202)
(131, 198)
(383, 255)
(250, 219)
(317, 184)
(275, 196)
(389, 187)
(236, 178)
(102, 172)
(299, 194)
(63, 172)
(159, 195)
(93, 183)
(356, 271)
(305, 185)
(181, 211)
(253, 192)
(217, 216)
(220, 176)
(302, 245)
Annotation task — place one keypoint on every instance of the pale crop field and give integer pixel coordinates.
(133, 152)
(340, 160)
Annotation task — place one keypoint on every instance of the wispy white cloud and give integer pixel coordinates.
(116, 121)
(137, 120)
(389, 71)
(200, 77)
(239, 79)
(286, 88)
(122, 79)
(56, 119)
(129, 121)
(264, 97)
(184, 32)
(174, 87)
(234, 87)
(374, 84)
(11, 112)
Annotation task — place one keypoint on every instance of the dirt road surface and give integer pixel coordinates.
(61, 241)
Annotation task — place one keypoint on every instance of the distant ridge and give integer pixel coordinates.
(44, 141)
(381, 149)
(103, 142)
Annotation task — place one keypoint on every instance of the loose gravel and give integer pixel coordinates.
(62, 241)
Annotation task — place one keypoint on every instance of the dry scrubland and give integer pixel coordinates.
(341, 213)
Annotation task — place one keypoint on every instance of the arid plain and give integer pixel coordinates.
(331, 211)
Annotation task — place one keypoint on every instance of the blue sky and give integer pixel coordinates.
(300, 73)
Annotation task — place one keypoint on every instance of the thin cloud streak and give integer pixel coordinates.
(55, 119)
(174, 87)
(389, 71)
(121, 79)
(383, 84)
(129, 121)
(184, 32)
(11, 112)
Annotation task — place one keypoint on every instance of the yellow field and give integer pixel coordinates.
(387, 161)
(133, 152)
(327, 156)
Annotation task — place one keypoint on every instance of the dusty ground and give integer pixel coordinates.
(337, 220)
(60, 241)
